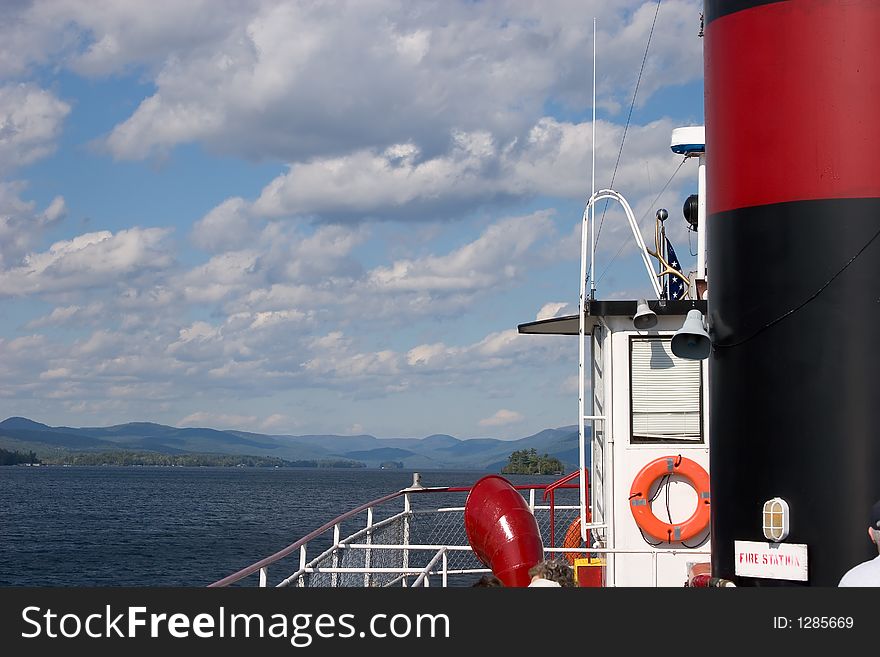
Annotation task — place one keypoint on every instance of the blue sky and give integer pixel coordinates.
(323, 217)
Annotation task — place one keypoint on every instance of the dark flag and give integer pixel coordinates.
(675, 286)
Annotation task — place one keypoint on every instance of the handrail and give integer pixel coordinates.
(551, 490)
(559, 483)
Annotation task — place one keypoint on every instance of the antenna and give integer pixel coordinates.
(593, 186)
(591, 205)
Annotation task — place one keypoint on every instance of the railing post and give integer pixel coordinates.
(302, 565)
(406, 530)
(264, 577)
(334, 576)
(368, 553)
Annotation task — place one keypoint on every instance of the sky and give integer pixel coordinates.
(325, 216)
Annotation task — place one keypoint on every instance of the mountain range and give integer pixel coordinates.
(437, 451)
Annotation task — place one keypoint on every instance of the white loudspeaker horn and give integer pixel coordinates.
(691, 341)
(645, 318)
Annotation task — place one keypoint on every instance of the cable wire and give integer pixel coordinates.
(629, 117)
(802, 304)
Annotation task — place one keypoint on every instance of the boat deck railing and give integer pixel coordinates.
(422, 544)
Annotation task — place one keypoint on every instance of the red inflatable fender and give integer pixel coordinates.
(502, 530)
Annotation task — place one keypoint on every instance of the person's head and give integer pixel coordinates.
(488, 580)
(553, 571)
(874, 527)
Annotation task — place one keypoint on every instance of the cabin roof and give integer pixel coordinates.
(569, 324)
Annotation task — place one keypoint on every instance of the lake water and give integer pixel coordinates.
(133, 526)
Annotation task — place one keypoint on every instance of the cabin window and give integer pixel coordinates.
(666, 393)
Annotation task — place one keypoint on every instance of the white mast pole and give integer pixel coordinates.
(593, 186)
(582, 310)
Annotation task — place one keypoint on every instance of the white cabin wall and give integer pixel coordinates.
(623, 460)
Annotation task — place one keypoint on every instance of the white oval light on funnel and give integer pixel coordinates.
(645, 318)
(691, 341)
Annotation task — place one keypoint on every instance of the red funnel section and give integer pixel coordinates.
(502, 530)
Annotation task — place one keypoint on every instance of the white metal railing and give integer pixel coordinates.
(440, 554)
(364, 538)
(370, 547)
(364, 555)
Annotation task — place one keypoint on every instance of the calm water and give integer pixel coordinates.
(124, 526)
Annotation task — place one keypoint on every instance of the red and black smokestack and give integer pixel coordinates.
(793, 191)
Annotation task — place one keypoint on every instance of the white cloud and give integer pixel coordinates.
(260, 334)
(372, 184)
(282, 296)
(197, 342)
(226, 227)
(294, 79)
(502, 418)
(224, 274)
(554, 309)
(103, 37)
(69, 316)
(551, 158)
(219, 420)
(274, 421)
(88, 260)
(335, 358)
(381, 110)
(57, 373)
(321, 256)
(490, 259)
(30, 122)
(56, 210)
(319, 277)
(21, 224)
(497, 350)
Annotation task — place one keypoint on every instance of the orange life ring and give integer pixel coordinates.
(640, 506)
(573, 539)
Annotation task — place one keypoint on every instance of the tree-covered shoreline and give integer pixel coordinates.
(129, 458)
(17, 458)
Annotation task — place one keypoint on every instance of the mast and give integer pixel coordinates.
(793, 190)
(582, 338)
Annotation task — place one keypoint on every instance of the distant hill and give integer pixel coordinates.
(436, 451)
(23, 423)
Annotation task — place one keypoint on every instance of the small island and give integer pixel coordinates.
(527, 461)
